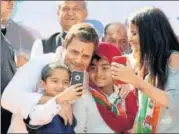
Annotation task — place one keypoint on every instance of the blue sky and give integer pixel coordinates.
(41, 15)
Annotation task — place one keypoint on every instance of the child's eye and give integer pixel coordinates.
(92, 68)
(105, 68)
(55, 81)
(66, 83)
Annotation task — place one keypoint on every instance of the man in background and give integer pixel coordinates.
(69, 13)
(20, 36)
(116, 33)
(8, 68)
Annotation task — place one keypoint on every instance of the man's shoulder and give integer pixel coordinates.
(44, 56)
(25, 30)
(33, 32)
(43, 59)
(54, 35)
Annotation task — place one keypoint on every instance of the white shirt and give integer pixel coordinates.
(19, 96)
(44, 113)
(84, 110)
(41, 114)
(115, 95)
(37, 49)
(88, 117)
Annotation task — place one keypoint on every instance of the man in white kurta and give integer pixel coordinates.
(20, 96)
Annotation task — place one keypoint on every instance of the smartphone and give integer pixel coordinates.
(77, 77)
(120, 60)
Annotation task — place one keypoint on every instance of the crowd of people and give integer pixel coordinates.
(140, 95)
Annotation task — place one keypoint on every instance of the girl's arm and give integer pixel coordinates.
(131, 109)
(167, 98)
(43, 114)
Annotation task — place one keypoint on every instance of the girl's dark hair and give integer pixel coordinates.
(47, 70)
(157, 39)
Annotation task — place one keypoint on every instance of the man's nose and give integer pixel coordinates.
(71, 12)
(78, 59)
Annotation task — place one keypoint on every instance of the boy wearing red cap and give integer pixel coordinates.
(117, 113)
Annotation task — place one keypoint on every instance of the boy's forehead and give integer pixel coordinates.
(100, 62)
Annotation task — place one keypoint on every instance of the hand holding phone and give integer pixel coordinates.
(77, 77)
(120, 60)
(70, 94)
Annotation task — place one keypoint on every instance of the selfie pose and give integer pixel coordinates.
(55, 80)
(156, 51)
(106, 107)
(76, 54)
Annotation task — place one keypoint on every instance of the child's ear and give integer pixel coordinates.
(42, 85)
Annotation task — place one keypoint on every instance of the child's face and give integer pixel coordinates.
(100, 73)
(57, 82)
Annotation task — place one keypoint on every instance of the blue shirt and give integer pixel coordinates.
(169, 117)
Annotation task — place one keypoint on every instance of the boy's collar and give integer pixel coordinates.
(115, 93)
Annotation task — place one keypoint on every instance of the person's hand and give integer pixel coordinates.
(123, 73)
(21, 60)
(134, 128)
(66, 113)
(125, 90)
(72, 93)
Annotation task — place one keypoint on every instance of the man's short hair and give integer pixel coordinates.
(110, 24)
(106, 28)
(84, 32)
(59, 3)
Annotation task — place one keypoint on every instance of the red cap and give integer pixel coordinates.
(108, 51)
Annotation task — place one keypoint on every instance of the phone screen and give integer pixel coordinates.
(77, 77)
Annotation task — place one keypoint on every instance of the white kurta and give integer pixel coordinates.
(20, 97)
(88, 117)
